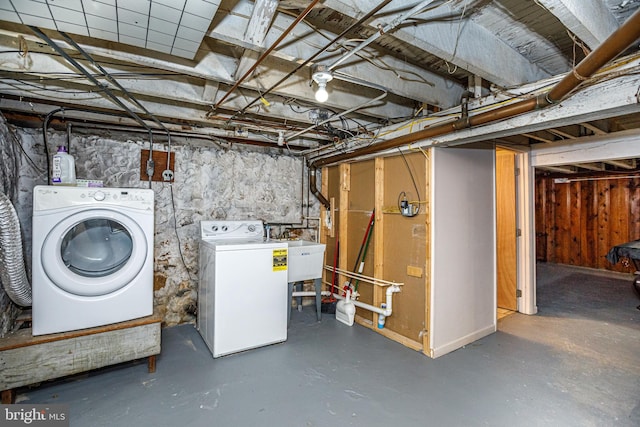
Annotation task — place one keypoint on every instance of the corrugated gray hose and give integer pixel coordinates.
(12, 273)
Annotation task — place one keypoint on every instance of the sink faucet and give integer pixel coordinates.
(267, 229)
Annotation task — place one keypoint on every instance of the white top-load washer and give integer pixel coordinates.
(242, 294)
(92, 257)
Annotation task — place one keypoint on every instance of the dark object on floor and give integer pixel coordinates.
(328, 305)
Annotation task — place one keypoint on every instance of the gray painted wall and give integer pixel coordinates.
(211, 182)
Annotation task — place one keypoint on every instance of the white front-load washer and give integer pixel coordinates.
(92, 257)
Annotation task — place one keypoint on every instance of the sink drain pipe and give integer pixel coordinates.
(392, 289)
(382, 311)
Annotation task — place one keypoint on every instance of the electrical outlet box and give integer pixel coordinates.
(160, 165)
(241, 133)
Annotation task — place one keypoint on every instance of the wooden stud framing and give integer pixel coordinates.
(345, 179)
(427, 294)
(378, 230)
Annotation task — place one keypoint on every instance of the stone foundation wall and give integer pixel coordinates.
(211, 182)
(9, 173)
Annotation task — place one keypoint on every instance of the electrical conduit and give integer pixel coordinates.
(613, 46)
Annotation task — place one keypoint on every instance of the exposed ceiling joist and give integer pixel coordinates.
(628, 164)
(537, 137)
(596, 130)
(263, 13)
(561, 169)
(596, 167)
(397, 76)
(562, 133)
(456, 39)
(426, 64)
(590, 20)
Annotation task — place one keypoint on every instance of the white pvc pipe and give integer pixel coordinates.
(304, 294)
(383, 311)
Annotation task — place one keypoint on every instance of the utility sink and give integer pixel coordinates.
(306, 260)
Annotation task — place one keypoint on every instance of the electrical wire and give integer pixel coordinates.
(175, 229)
(414, 183)
(45, 89)
(16, 141)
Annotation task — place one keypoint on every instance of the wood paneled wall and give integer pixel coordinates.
(579, 221)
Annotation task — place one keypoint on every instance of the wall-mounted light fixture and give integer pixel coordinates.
(321, 75)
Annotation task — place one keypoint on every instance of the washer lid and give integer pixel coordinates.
(94, 252)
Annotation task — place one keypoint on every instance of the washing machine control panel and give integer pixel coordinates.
(52, 197)
(226, 230)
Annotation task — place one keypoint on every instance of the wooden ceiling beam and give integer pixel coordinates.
(596, 130)
(562, 134)
(561, 169)
(537, 138)
(597, 167)
(471, 38)
(627, 164)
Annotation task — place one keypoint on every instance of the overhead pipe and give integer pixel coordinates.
(315, 55)
(350, 110)
(613, 46)
(267, 52)
(115, 82)
(314, 189)
(389, 27)
(106, 90)
(88, 75)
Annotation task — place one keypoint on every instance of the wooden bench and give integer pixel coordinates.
(26, 360)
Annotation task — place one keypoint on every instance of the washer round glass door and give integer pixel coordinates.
(94, 252)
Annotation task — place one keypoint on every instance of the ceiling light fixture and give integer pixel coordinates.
(321, 75)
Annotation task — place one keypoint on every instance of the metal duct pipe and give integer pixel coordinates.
(314, 188)
(267, 52)
(12, 272)
(613, 46)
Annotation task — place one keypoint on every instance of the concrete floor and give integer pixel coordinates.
(576, 363)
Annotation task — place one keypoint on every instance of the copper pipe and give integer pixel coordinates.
(268, 51)
(315, 55)
(613, 46)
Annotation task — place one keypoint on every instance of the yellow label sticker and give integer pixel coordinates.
(279, 259)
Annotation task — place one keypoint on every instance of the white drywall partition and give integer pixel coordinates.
(463, 247)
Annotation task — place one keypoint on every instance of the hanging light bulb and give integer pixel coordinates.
(321, 94)
(321, 75)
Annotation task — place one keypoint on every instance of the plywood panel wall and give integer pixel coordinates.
(406, 241)
(579, 221)
(361, 205)
(399, 245)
